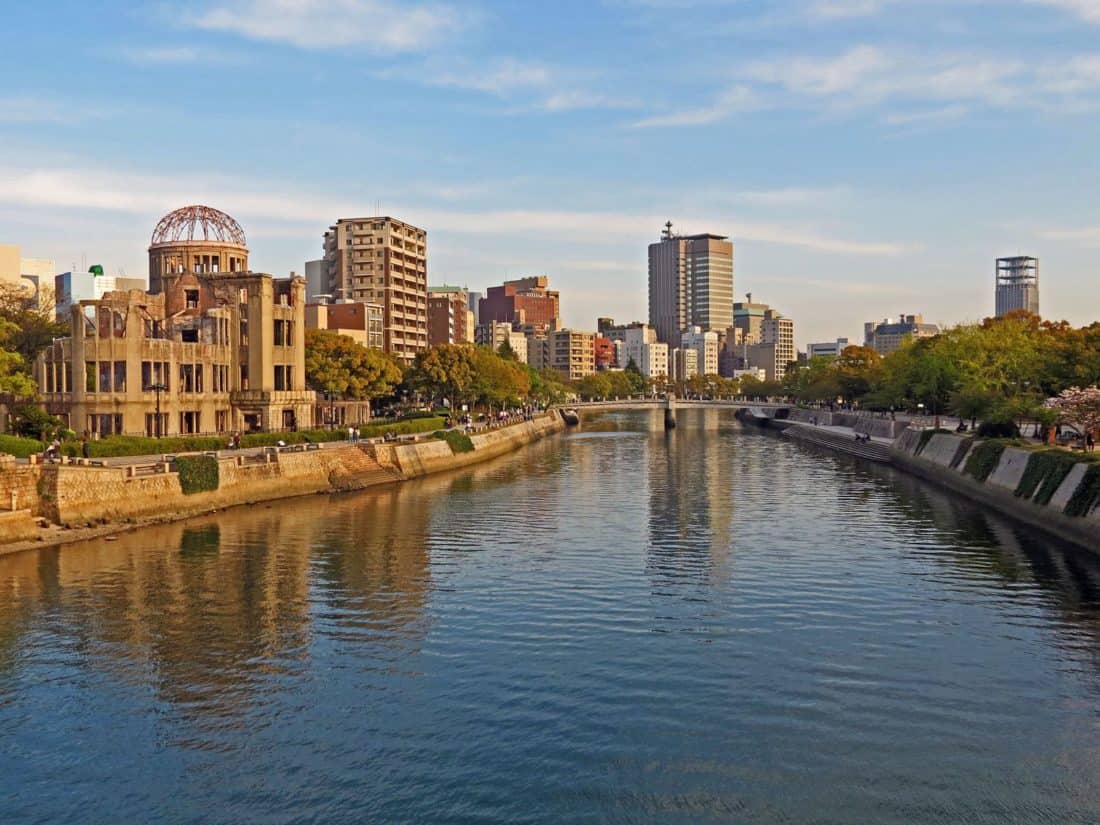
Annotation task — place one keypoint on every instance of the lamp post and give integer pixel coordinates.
(158, 389)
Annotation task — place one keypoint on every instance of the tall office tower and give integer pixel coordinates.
(382, 260)
(690, 284)
(1017, 285)
(474, 304)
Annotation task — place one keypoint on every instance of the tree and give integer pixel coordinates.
(594, 386)
(14, 377)
(337, 364)
(446, 371)
(35, 326)
(506, 352)
(857, 370)
(1078, 406)
(634, 375)
(498, 381)
(972, 404)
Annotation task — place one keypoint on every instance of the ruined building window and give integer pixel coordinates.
(189, 336)
(187, 378)
(120, 376)
(191, 298)
(49, 378)
(104, 376)
(279, 339)
(198, 377)
(244, 376)
(68, 377)
(119, 324)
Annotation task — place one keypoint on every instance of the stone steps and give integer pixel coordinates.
(869, 450)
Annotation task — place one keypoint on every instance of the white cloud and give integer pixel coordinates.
(379, 26)
(1088, 10)
(499, 77)
(34, 109)
(925, 116)
(162, 54)
(739, 98)
(300, 214)
(1088, 236)
(867, 76)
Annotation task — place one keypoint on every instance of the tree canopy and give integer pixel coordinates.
(338, 364)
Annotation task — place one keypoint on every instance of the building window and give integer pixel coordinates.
(191, 298)
(221, 420)
(120, 376)
(104, 376)
(198, 377)
(190, 422)
(244, 376)
(187, 378)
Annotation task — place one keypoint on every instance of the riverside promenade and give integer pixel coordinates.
(58, 503)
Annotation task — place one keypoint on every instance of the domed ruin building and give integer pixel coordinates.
(195, 239)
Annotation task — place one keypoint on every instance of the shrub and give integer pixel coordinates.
(459, 442)
(1087, 494)
(998, 428)
(114, 446)
(20, 447)
(960, 453)
(198, 473)
(1044, 474)
(983, 459)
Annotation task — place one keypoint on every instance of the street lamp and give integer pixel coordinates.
(158, 389)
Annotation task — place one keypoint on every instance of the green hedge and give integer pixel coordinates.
(960, 453)
(983, 459)
(459, 442)
(1044, 474)
(1087, 494)
(20, 447)
(198, 473)
(128, 445)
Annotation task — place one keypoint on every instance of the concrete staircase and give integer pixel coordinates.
(871, 450)
(358, 469)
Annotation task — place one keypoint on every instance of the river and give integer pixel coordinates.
(614, 625)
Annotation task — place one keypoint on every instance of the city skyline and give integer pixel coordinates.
(858, 175)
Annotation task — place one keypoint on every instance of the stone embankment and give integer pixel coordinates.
(75, 495)
(1054, 490)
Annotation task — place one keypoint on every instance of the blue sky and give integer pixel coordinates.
(867, 157)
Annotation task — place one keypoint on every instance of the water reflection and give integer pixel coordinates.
(624, 624)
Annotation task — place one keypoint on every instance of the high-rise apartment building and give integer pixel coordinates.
(761, 338)
(449, 318)
(690, 284)
(571, 352)
(1017, 285)
(526, 302)
(640, 345)
(890, 334)
(473, 302)
(705, 346)
(384, 261)
(495, 334)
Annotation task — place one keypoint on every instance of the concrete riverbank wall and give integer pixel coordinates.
(1013, 483)
(82, 496)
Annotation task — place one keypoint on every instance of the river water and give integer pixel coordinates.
(615, 625)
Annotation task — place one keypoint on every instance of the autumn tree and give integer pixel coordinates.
(446, 371)
(338, 365)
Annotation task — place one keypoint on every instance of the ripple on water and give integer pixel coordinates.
(620, 625)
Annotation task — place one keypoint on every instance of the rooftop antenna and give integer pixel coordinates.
(668, 231)
(749, 296)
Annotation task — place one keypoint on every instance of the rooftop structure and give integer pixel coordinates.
(196, 239)
(1016, 285)
(690, 283)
